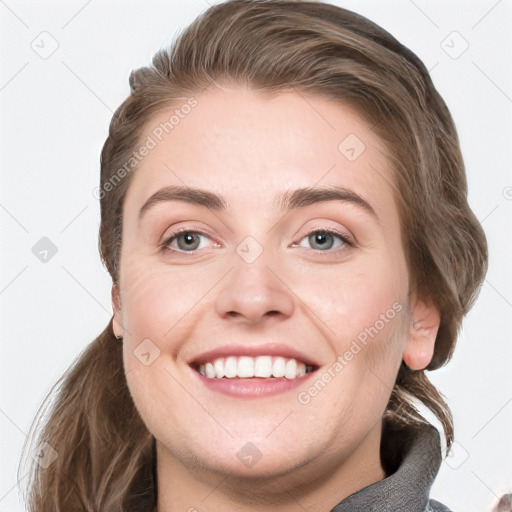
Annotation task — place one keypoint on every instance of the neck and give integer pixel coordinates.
(317, 485)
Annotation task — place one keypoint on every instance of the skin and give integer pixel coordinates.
(250, 147)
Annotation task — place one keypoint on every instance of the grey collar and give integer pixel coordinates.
(408, 488)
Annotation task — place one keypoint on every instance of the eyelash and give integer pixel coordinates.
(165, 245)
(343, 238)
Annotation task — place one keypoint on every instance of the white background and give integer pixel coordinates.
(54, 120)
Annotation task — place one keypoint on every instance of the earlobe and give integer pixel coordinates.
(117, 322)
(425, 321)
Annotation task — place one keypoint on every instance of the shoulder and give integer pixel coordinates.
(435, 506)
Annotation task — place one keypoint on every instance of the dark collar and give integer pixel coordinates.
(408, 488)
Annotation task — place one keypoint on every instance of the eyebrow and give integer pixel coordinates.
(288, 201)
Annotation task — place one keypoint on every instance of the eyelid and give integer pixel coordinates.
(164, 245)
(346, 239)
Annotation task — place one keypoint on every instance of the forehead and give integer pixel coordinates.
(249, 146)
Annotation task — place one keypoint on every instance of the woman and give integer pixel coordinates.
(285, 221)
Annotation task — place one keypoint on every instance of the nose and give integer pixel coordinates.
(252, 292)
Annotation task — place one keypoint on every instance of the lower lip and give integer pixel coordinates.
(254, 387)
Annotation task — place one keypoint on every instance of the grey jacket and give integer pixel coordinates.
(408, 488)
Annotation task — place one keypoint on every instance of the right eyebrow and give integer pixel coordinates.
(190, 195)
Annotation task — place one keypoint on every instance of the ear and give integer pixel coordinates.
(117, 324)
(425, 320)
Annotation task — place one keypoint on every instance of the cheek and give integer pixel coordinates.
(158, 304)
(363, 314)
(354, 297)
(157, 299)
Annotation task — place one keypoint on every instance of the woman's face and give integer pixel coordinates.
(257, 276)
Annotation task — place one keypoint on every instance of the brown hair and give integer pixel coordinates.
(106, 455)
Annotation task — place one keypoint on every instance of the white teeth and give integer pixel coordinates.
(246, 367)
(219, 368)
(279, 367)
(263, 366)
(290, 369)
(230, 367)
(210, 372)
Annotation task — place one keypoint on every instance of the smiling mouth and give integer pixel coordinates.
(246, 367)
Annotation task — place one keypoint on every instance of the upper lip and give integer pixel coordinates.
(268, 349)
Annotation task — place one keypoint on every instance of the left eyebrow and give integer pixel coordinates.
(288, 201)
(301, 197)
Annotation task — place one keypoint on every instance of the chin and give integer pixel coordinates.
(249, 463)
